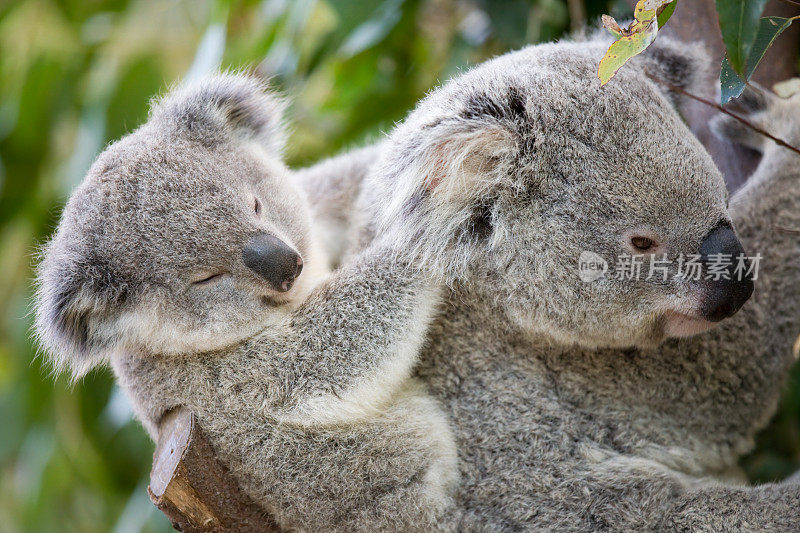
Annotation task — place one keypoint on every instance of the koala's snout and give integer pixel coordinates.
(274, 260)
(728, 277)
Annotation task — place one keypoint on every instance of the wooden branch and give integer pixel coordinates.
(721, 109)
(577, 15)
(192, 488)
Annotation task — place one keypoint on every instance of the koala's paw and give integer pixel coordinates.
(415, 490)
(776, 115)
(441, 476)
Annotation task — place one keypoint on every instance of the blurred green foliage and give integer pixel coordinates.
(75, 75)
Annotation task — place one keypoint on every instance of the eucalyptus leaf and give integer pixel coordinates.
(666, 13)
(768, 30)
(611, 25)
(739, 21)
(731, 84)
(622, 50)
(635, 38)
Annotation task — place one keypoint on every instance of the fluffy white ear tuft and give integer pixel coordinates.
(213, 109)
(441, 184)
(460, 168)
(77, 308)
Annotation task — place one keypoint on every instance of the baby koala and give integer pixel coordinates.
(187, 260)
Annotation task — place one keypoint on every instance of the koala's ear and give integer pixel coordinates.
(753, 103)
(442, 178)
(74, 323)
(685, 65)
(215, 109)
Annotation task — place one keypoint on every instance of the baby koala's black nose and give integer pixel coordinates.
(274, 260)
(728, 277)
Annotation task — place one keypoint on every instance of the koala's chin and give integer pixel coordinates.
(167, 333)
(678, 324)
(649, 333)
(639, 332)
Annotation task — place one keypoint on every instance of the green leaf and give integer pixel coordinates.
(666, 13)
(635, 38)
(645, 10)
(768, 30)
(730, 84)
(611, 26)
(621, 51)
(739, 21)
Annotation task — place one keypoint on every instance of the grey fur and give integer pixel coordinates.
(305, 395)
(572, 409)
(332, 187)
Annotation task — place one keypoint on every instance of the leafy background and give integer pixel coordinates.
(75, 75)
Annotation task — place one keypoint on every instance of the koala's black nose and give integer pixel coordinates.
(274, 260)
(727, 274)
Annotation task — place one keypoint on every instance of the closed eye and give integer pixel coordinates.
(209, 279)
(642, 244)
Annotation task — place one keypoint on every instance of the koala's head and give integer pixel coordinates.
(508, 173)
(185, 236)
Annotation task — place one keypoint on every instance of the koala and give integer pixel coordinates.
(188, 260)
(332, 188)
(620, 403)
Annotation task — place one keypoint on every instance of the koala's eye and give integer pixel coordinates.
(208, 279)
(642, 244)
(257, 207)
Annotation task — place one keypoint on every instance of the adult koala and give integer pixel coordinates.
(187, 259)
(583, 406)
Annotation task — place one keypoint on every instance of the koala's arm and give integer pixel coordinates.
(332, 187)
(639, 495)
(318, 418)
(346, 350)
(767, 508)
(339, 357)
(352, 444)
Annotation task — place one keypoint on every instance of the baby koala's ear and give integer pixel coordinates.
(439, 179)
(685, 65)
(74, 319)
(754, 103)
(216, 109)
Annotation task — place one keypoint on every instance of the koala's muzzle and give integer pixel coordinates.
(728, 277)
(273, 260)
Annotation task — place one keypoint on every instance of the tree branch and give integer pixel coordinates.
(788, 231)
(192, 487)
(791, 2)
(684, 92)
